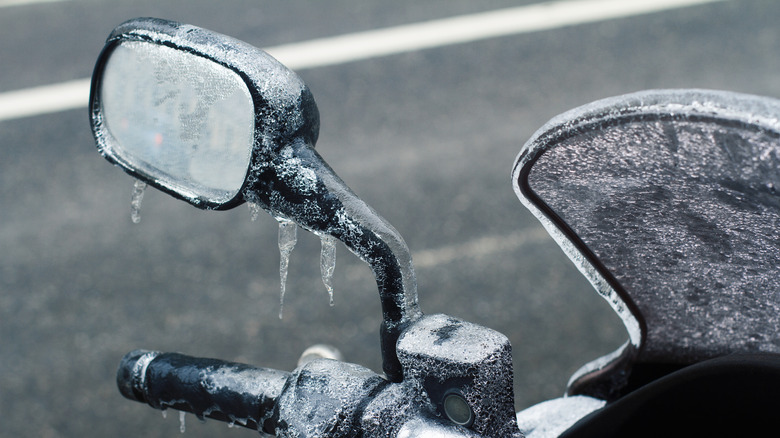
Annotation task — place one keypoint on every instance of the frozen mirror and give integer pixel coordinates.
(178, 118)
(216, 122)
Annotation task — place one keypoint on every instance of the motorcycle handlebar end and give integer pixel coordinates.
(131, 374)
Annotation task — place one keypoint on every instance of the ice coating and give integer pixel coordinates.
(702, 246)
(672, 195)
(286, 177)
(139, 188)
(328, 263)
(254, 210)
(182, 421)
(451, 339)
(266, 102)
(443, 355)
(298, 185)
(551, 418)
(323, 399)
(225, 391)
(288, 237)
(330, 398)
(280, 90)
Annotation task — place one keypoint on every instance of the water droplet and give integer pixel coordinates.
(182, 425)
(139, 187)
(254, 210)
(328, 262)
(288, 236)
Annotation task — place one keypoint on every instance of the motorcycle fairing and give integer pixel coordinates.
(668, 202)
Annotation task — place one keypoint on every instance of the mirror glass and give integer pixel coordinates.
(179, 119)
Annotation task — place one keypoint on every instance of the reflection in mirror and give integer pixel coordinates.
(180, 119)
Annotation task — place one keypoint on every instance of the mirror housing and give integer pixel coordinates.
(194, 94)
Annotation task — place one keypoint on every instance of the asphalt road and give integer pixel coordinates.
(427, 138)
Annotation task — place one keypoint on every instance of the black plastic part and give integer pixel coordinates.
(733, 395)
(388, 337)
(225, 391)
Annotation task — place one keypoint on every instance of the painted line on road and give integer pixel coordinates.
(479, 247)
(464, 29)
(381, 42)
(44, 100)
(6, 3)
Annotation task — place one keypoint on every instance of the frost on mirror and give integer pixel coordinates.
(180, 119)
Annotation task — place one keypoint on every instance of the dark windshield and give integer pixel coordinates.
(680, 211)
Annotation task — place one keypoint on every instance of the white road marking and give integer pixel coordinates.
(479, 247)
(463, 29)
(44, 100)
(4, 3)
(381, 42)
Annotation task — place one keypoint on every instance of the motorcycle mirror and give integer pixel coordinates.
(163, 119)
(186, 110)
(217, 122)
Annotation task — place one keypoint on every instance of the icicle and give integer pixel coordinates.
(182, 425)
(328, 262)
(254, 210)
(288, 236)
(135, 202)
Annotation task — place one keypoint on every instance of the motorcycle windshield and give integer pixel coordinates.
(669, 202)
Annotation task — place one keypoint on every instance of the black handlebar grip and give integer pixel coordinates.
(225, 391)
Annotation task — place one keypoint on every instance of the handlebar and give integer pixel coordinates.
(468, 394)
(320, 398)
(225, 391)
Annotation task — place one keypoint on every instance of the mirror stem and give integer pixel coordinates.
(294, 183)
